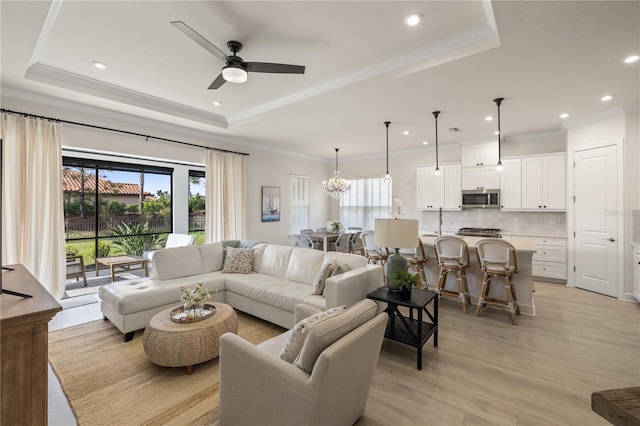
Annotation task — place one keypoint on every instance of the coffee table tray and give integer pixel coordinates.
(179, 315)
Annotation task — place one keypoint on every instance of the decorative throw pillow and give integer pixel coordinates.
(324, 332)
(340, 269)
(295, 341)
(238, 261)
(323, 274)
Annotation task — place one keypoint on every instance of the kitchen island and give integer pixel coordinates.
(522, 281)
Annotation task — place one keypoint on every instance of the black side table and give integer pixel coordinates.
(413, 332)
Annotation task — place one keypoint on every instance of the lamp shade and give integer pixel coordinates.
(396, 233)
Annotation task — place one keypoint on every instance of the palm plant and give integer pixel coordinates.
(136, 238)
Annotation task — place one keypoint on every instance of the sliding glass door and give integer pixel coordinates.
(115, 208)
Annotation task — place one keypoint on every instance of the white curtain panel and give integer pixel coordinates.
(226, 196)
(32, 212)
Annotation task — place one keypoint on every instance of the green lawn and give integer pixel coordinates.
(86, 248)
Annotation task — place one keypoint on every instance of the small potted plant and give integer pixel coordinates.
(402, 282)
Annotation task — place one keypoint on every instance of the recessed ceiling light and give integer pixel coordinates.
(406, 132)
(488, 118)
(564, 115)
(496, 132)
(216, 103)
(413, 19)
(631, 59)
(99, 65)
(425, 143)
(606, 98)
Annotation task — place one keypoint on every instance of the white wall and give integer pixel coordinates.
(264, 167)
(621, 129)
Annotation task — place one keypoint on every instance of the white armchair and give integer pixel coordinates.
(257, 387)
(173, 240)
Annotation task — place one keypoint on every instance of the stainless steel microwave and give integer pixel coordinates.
(481, 198)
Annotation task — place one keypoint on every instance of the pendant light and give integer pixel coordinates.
(336, 186)
(498, 101)
(387, 176)
(437, 170)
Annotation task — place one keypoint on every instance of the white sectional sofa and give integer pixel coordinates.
(282, 277)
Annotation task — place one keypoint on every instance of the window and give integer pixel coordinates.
(299, 203)
(197, 212)
(115, 208)
(368, 199)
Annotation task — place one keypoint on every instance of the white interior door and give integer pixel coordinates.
(596, 218)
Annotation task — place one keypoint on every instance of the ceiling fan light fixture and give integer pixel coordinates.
(234, 74)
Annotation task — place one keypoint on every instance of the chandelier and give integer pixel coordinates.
(336, 186)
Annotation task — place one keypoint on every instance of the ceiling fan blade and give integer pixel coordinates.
(219, 81)
(203, 42)
(274, 68)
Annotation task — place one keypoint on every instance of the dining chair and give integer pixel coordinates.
(306, 231)
(354, 228)
(374, 253)
(303, 240)
(321, 230)
(341, 244)
(355, 244)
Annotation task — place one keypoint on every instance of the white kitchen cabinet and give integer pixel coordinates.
(543, 182)
(636, 271)
(511, 184)
(550, 259)
(443, 190)
(478, 155)
(430, 188)
(486, 177)
(452, 187)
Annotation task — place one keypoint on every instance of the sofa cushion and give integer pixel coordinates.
(274, 260)
(322, 333)
(292, 346)
(211, 255)
(238, 261)
(128, 297)
(177, 262)
(304, 265)
(269, 290)
(322, 275)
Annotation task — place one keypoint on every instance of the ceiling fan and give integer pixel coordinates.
(235, 69)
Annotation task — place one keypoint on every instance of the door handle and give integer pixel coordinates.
(610, 239)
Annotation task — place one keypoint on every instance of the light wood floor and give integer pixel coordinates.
(487, 372)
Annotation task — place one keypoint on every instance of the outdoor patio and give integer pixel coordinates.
(76, 294)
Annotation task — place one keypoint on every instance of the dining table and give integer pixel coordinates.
(325, 236)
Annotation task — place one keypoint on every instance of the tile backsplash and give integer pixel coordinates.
(546, 223)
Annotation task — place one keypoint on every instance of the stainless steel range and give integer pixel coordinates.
(479, 232)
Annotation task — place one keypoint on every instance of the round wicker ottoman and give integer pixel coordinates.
(172, 344)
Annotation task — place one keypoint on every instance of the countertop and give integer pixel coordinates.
(532, 234)
(521, 245)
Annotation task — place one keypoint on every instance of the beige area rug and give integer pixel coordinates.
(108, 381)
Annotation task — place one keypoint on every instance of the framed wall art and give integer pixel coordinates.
(270, 204)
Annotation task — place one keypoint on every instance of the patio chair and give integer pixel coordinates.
(75, 268)
(173, 240)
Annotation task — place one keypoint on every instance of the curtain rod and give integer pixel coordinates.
(147, 137)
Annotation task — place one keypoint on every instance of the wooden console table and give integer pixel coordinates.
(24, 348)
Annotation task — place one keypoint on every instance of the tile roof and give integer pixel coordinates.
(71, 183)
